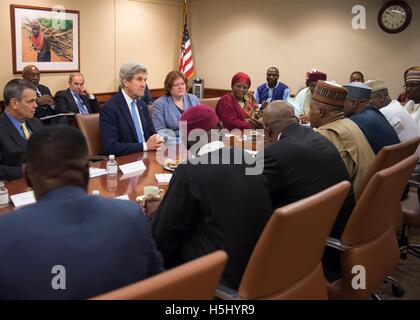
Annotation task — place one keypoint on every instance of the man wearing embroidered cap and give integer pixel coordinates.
(412, 85)
(210, 204)
(397, 116)
(326, 114)
(303, 99)
(371, 121)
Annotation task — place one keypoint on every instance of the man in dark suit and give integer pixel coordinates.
(70, 245)
(125, 123)
(44, 98)
(76, 99)
(213, 202)
(299, 163)
(16, 126)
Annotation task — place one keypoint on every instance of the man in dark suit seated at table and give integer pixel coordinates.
(125, 123)
(214, 201)
(44, 99)
(76, 99)
(299, 163)
(17, 123)
(97, 244)
(376, 128)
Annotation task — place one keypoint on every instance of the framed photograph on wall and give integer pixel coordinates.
(46, 37)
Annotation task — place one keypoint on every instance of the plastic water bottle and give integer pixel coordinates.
(4, 195)
(111, 166)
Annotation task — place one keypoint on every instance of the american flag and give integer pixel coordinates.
(186, 65)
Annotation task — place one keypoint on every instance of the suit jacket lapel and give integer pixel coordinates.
(72, 101)
(11, 129)
(125, 111)
(143, 118)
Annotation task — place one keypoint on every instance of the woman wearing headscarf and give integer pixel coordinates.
(167, 109)
(238, 109)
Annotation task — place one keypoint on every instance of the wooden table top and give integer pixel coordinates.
(133, 184)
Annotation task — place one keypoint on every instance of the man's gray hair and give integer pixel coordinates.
(72, 75)
(129, 70)
(14, 89)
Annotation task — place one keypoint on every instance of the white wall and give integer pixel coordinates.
(297, 35)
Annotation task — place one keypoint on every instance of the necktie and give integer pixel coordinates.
(38, 93)
(136, 121)
(81, 105)
(25, 130)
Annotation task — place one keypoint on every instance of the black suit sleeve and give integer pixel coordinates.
(175, 217)
(61, 104)
(8, 172)
(93, 105)
(274, 177)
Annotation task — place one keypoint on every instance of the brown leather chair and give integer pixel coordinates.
(286, 261)
(369, 238)
(195, 280)
(390, 155)
(211, 102)
(89, 126)
(411, 211)
(387, 157)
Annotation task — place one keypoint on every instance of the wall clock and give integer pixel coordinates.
(395, 16)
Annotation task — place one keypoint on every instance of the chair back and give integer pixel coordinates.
(388, 156)
(286, 261)
(89, 126)
(370, 231)
(211, 102)
(195, 280)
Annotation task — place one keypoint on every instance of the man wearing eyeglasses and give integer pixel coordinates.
(405, 126)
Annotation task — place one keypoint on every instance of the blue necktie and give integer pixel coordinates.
(81, 105)
(136, 121)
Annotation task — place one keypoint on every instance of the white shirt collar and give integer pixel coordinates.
(127, 98)
(210, 147)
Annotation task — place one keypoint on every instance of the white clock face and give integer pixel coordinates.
(394, 17)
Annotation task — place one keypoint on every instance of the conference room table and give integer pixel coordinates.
(133, 184)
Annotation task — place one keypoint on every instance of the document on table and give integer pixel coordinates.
(163, 177)
(96, 172)
(123, 197)
(23, 199)
(132, 167)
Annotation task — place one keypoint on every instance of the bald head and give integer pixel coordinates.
(277, 116)
(32, 74)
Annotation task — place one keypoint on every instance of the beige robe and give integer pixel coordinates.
(353, 147)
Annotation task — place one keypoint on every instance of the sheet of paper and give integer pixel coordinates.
(163, 177)
(132, 167)
(123, 197)
(23, 199)
(96, 172)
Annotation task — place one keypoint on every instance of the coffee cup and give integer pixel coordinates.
(152, 192)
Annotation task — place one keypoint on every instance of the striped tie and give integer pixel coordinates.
(25, 130)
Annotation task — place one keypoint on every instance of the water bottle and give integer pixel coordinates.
(111, 166)
(4, 195)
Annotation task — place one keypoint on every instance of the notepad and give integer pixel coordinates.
(163, 177)
(96, 172)
(123, 197)
(132, 167)
(23, 199)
